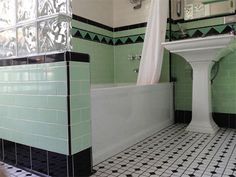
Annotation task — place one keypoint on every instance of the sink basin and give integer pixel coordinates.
(207, 46)
(201, 53)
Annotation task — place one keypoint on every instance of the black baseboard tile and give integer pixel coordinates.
(46, 163)
(83, 163)
(183, 116)
(9, 151)
(39, 160)
(225, 120)
(1, 150)
(23, 156)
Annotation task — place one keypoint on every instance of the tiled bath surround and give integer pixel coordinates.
(109, 59)
(45, 113)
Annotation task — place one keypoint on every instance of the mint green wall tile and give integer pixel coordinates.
(79, 73)
(80, 129)
(81, 143)
(81, 101)
(57, 102)
(33, 105)
(101, 59)
(80, 105)
(123, 67)
(56, 73)
(181, 70)
(165, 68)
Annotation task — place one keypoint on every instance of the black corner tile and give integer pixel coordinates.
(57, 164)
(9, 152)
(55, 58)
(39, 160)
(221, 119)
(83, 163)
(77, 57)
(70, 165)
(36, 59)
(23, 156)
(1, 150)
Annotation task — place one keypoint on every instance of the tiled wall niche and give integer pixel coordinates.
(33, 27)
(45, 113)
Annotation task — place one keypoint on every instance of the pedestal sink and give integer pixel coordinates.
(201, 53)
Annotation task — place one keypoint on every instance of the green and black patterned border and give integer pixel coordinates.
(139, 38)
(204, 31)
(95, 37)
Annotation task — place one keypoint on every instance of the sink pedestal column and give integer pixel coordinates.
(202, 120)
(201, 53)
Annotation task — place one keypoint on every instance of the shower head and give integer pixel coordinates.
(137, 2)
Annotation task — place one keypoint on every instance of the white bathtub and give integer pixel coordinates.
(123, 115)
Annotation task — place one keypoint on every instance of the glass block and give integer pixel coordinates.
(27, 39)
(53, 34)
(7, 9)
(69, 7)
(7, 43)
(26, 10)
(49, 7)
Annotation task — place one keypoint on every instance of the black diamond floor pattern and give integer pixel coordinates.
(174, 152)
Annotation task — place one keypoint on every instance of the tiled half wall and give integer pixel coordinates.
(45, 113)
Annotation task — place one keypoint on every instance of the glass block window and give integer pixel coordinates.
(34, 27)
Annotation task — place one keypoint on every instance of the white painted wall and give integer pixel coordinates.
(114, 13)
(124, 14)
(123, 116)
(97, 10)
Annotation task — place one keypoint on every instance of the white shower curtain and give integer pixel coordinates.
(152, 54)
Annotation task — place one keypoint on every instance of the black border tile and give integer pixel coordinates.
(78, 57)
(51, 58)
(1, 150)
(57, 164)
(9, 152)
(23, 156)
(91, 22)
(58, 57)
(36, 59)
(39, 160)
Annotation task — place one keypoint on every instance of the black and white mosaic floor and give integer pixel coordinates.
(15, 172)
(171, 152)
(178, 153)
